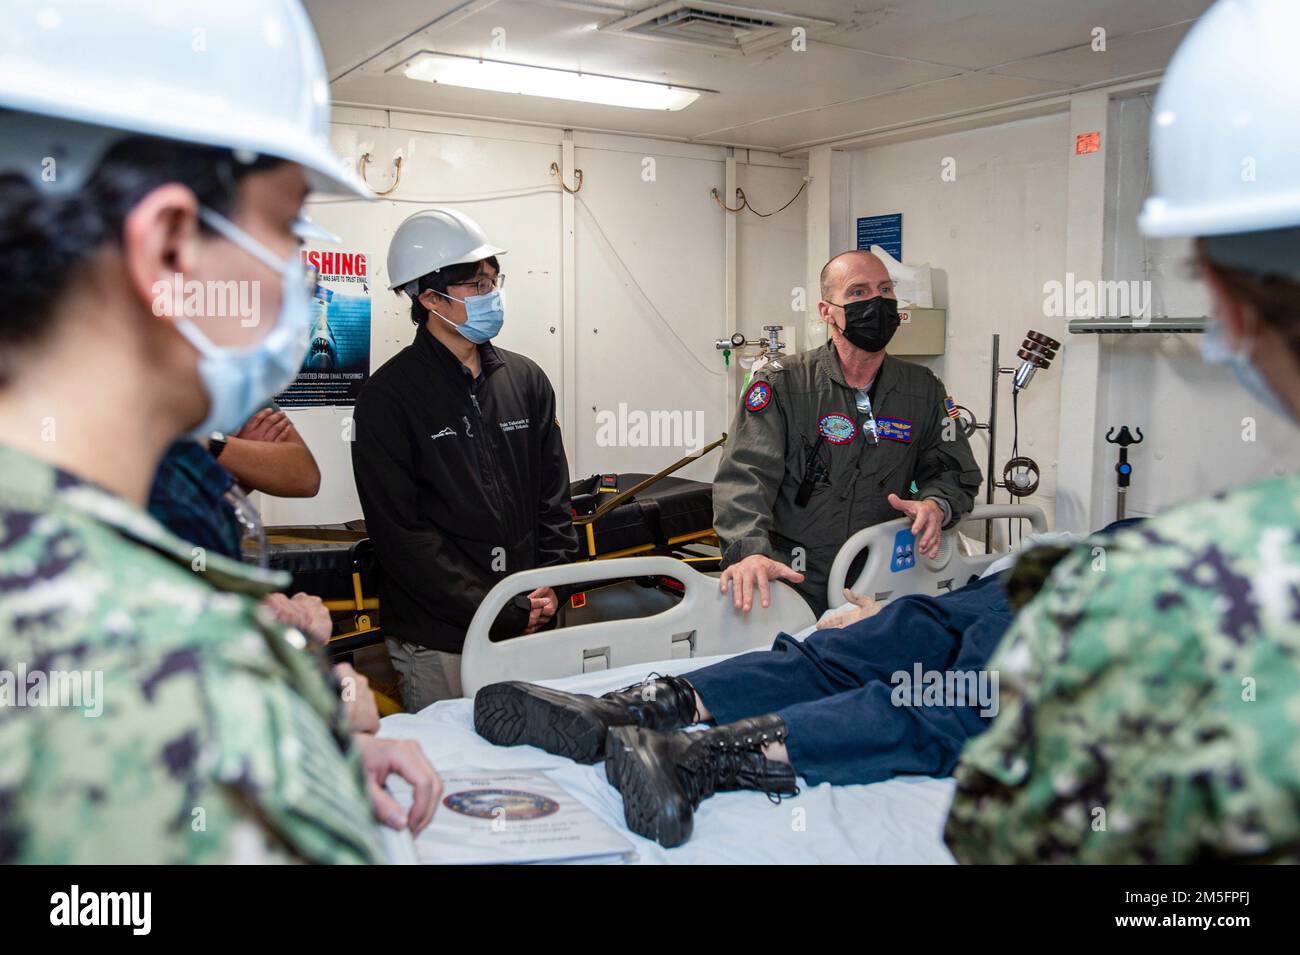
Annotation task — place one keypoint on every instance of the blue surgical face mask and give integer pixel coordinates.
(240, 381)
(1217, 350)
(484, 316)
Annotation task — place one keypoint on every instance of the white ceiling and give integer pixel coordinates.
(883, 65)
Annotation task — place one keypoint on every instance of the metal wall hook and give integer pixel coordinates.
(577, 175)
(397, 173)
(740, 197)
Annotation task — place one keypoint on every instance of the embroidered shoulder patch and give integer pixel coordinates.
(758, 395)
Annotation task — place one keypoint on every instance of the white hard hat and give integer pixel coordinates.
(246, 75)
(1225, 129)
(307, 229)
(433, 239)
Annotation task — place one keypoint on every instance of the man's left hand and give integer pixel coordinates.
(358, 702)
(267, 425)
(927, 523)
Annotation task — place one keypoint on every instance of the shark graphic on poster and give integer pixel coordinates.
(338, 361)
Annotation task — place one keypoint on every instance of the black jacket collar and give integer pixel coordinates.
(440, 355)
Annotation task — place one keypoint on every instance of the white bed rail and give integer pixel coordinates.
(895, 569)
(703, 623)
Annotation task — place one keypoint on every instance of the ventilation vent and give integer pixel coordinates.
(719, 27)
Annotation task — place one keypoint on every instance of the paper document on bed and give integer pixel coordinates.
(497, 816)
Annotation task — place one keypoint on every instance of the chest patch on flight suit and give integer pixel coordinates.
(837, 428)
(758, 395)
(895, 429)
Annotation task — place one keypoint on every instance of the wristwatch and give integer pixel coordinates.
(216, 444)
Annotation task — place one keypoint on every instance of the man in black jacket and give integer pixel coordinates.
(458, 458)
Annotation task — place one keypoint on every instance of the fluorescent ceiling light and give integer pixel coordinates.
(502, 77)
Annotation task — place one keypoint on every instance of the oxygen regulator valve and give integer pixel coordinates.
(771, 344)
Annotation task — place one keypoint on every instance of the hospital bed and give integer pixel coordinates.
(703, 621)
(896, 821)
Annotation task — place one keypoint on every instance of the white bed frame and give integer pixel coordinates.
(888, 574)
(705, 622)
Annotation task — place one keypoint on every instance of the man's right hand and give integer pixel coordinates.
(863, 607)
(382, 758)
(752, 573)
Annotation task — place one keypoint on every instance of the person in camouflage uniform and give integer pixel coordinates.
(1150, 706)
(151, 708)
(1147, 709)
(218, 738)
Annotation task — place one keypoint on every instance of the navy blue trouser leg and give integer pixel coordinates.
(829, 662)
(834, 689)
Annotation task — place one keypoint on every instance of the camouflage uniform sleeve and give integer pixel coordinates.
(1128, 728)
(128, 785)
(278, 763)
(750, 473)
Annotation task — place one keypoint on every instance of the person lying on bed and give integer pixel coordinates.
(839, 707)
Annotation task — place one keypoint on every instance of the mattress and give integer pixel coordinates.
(897, 821)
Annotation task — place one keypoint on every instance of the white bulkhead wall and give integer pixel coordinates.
(649, 278)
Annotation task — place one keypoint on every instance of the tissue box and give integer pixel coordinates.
(922, 332)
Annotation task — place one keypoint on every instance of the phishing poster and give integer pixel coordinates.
(338, 361)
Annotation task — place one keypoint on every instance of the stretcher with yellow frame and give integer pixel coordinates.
(615, 516)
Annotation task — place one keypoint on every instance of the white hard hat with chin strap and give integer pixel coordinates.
(1225, 138)
(433, 239)
(245, 75)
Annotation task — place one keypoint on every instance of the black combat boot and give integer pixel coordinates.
(664, 776)
(574, 724)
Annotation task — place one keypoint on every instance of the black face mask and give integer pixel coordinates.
(871, 323)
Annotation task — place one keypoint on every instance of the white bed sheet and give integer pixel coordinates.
(898, 821)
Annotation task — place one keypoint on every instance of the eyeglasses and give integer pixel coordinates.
(869, 430)
(483, 284)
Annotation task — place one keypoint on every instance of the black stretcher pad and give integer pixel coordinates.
(670, 508)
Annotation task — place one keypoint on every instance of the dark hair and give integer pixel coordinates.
(1276, 300)
(46, 239)
(443, 279)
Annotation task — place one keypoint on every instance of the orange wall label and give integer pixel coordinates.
(1086, 143)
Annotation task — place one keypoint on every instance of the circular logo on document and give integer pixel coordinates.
(837, 428)
(759, 394)
(503, 803)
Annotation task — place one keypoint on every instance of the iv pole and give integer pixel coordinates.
(989, 483)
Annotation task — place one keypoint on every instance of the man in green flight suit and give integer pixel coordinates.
(830, 441)
(1150, 693)
(151, 710)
